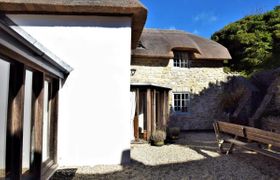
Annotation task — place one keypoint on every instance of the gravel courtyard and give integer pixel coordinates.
(193, 156)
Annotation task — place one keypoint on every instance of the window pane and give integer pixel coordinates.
(27, 122)
(179, 55)
(177, 103)
(176, 63)
(184, 63)
(46, 123)
(181, 59)
(4, 89)
(181, 102)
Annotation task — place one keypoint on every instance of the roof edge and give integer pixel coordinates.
(151, 56)
(36, 47)
(149, 85)
(138, 13)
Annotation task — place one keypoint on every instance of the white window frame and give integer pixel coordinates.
(181, 59)
(186, 99)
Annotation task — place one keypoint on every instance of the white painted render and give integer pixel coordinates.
(94, 113)
(26, 144)
(4, 89)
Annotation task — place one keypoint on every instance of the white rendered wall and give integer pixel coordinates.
(26, 145)
(4, 90)
(94, 113)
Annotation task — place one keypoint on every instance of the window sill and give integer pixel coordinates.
(181, 113)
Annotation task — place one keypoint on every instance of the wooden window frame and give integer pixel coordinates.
(186, 100)
(181, 59)
(15, 113)
(22, 55)
(27, 174)
(50, 163)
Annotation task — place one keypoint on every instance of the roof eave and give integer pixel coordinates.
(200, 57)
(138, 14)
(151, 56)
(151, 85)
(39, 54)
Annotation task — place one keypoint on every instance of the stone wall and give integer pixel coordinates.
(204, 82)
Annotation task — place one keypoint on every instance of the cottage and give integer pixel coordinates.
(31, 78)
(189, 71)
(169, 73)
(96, 38)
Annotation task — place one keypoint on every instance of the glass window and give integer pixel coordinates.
(4, 89)
(46, 122)
(181, 102)
(26, 151)
(181, 59)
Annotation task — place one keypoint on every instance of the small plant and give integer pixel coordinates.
(158, 137)
(173, 132)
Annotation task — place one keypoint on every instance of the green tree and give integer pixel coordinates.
(253, 41)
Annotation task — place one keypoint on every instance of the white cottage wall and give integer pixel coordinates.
(94, 114)
(4, 90)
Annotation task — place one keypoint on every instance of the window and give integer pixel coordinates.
(27, 138)
(181, 59)
(181, 102)
(46, 122)
(4, 89)
(22, 111)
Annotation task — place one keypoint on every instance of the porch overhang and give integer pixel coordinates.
(149, 85)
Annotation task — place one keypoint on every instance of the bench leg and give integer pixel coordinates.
(220, 145)
(229, 151)
(269, 147)
(219, 140)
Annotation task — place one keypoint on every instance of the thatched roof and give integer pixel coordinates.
(131, 8)
(160, 43)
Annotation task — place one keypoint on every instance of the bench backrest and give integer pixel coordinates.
(250, 133)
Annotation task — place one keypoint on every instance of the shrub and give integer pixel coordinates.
(173, 132)
(230, 100)
(158, 136)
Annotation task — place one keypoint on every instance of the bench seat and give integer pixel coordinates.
(246, 137)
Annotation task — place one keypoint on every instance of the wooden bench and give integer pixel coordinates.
(246, 137)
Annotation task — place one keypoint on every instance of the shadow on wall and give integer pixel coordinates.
(234, 100)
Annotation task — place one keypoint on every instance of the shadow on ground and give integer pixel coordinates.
(208, 164)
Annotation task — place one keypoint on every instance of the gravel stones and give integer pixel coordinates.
(193, 156)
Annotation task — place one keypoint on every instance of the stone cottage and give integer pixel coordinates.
(175, 78)
(189, 68)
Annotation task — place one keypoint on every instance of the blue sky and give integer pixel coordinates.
(201, 17)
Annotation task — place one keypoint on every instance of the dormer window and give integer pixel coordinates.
(181, 59)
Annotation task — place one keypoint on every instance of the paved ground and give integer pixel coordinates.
(193, 156)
